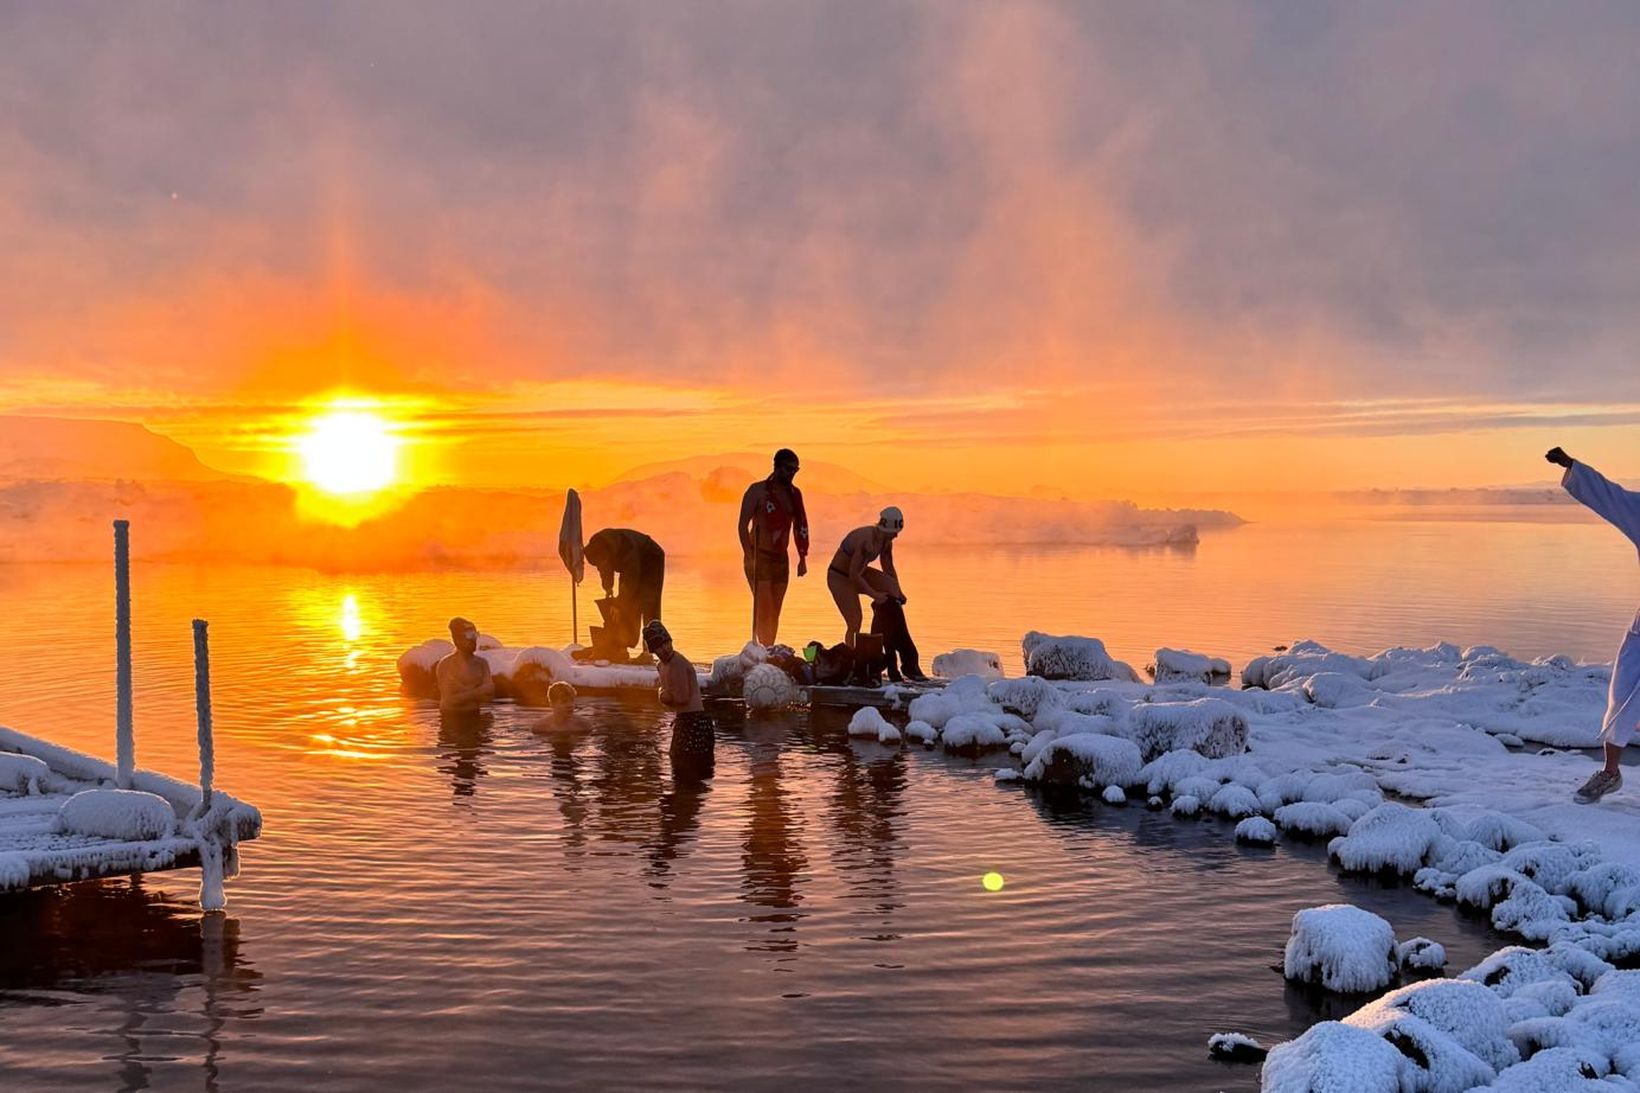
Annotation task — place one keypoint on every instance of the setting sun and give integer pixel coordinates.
(349, 452)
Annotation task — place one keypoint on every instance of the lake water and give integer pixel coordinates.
(494, 907)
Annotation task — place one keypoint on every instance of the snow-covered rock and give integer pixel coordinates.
(921, 731)
(1114, 795)
(1054, 657)
(1186, 805)
(127, 814)
(1342, 948)
(23, 774)
(1235, 1047)
(1332, 1057)
(1211, 726)
(1029, 697)
(972, 733)
(1103, 760)
(1256, 831)
(1312, 818)
(1233, 801)
(868, 721)
(968, 662)
(1179, 665)
(1420, 954)
(1390, 837)
(1455, 1032)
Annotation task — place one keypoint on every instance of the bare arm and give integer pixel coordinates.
(888, 561)
(672, 694)
(747, 505)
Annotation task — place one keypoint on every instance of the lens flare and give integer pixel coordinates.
(992, 881)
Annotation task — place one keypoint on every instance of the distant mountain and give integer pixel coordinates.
(741, 469)
(67, 449)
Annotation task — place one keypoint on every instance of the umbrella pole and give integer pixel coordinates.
(574, 612)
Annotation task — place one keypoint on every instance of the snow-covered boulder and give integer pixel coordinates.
(1335, 690)
(1210, 726)
(1455, 1032)
(529, 673)
(1233, 801)
(1312, 818)
(963, 695)
(1179, 666)
(1166, 771)
(1391, 837)
(1070, 657)
(1071, 760)
(1029, 697)
(1256, 831)
(766, 687)
(867, 721)
(22, 774)
(126, 814)
(1332, 1057)
(1342, 948)
(968, 662)
(1114, 795)
(1235, 1047)
(921, 731)
(972, 733)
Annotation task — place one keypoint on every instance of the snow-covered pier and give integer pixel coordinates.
(63, 819)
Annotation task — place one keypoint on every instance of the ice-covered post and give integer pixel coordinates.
(202, 708)
(211, 895)
(125, 748)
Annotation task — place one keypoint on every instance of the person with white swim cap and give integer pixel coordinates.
(851, 574)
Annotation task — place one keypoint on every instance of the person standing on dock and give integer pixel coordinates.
(641, 563)
(464, 681)
(771, 514)
(679, 691)
(851, 575)
(1620, 508)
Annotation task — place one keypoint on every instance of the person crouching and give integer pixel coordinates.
(679, 691)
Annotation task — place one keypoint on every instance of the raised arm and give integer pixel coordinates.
(1616, 505)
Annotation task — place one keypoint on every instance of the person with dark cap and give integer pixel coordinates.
(772, 515)
(692, 728)
(464, 680)
(642, 565)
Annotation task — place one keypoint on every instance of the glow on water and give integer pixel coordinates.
(483, 904)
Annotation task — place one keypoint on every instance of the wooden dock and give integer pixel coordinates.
(35, 851)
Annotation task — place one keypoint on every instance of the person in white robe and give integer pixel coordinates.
(1620, 508)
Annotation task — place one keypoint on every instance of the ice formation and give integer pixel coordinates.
(766, 687)
(1342, 948)
(968, 662)
(128, 815)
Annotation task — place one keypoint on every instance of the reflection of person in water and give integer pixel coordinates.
(679, 820)
(772, 856)
(464, 741)
(866, 802)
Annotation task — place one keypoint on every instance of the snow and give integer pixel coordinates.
(1257, 831)
(867, 721)
(1342, 948)
(1332, 1057)
(968, 662)
(972, 732)
(1188, 805)
(23, 774)
(1235, 802)
(1312, 818)
(1178, 665)
(1104, 760)
(1420, 954)
(1390, 837)
(1114, 795)
(1207, 725)
(129, 815)
(1079, 658)
(1454, 1032)
(1030, 697)
(1234, 1047)
(921, 731)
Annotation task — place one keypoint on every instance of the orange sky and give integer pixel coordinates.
(1015, 248)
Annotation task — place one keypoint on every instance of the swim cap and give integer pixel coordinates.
(655, 635)
(891, 520)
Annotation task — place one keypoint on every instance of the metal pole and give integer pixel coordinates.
(124, 735)
(202, 708)
(574, 611)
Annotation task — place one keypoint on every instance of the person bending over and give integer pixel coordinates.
(771, 515)
(679, 691)
(464, 680)
(851, 574)
(641, 563)
(1621, 509)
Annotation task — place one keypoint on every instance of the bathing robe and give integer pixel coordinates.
(1621, 509)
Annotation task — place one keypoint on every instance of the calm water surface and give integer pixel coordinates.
(491, 906)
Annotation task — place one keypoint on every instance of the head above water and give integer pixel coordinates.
(464, 634)
(786, 465)
(657, 640)
(561, 696)
(891, 521)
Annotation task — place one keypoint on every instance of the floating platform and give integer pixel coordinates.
(38, 846)
(524, 675)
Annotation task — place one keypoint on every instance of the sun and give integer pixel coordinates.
(348, 452)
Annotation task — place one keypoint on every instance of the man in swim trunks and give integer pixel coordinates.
(464, 681)
(679, 691)
(771, 514)
(851, 576)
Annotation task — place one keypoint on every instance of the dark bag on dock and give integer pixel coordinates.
(900, 652)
